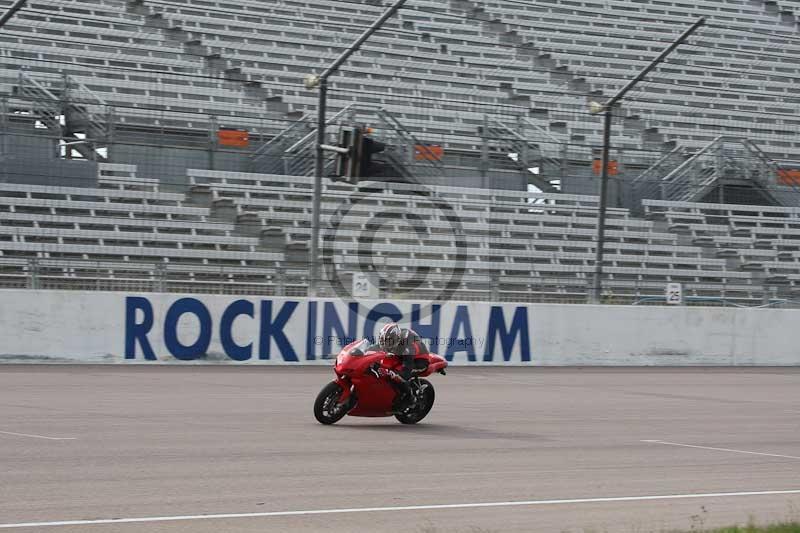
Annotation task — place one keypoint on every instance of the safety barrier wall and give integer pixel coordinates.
(75, 326)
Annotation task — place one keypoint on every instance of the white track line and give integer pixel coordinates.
(399, 508)
(35, 436)
(719, 449)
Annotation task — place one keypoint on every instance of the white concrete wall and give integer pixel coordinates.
(632, 335)
(115, 328)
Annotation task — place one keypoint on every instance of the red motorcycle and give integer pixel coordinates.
(356, 391)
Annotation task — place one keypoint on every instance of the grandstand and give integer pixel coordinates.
(153, 145)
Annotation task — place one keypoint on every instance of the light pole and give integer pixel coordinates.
(16, 6)
(4, 18)
(608, 115)
(321, 82)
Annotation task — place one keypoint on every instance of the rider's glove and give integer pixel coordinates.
(394, 376)
(379, 372)
(375, 370)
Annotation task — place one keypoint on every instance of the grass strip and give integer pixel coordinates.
(789, 527)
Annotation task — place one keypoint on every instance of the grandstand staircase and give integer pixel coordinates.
(647, 185)
(725, 162)
(765, 281)
(293, 151)
(223, 209)
(787, 14)
(289, 152)
(408, 156)
(215, 63)
(527, 154)
(709, 249)
(71, 111)
(507, 32)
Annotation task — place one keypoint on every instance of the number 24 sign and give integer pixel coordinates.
(674, 294)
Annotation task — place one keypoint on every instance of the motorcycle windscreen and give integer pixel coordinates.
(362, 348)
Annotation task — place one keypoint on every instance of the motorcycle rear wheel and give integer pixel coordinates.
(327, 409)
(423, 407)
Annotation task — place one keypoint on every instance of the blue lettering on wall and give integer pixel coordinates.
(332, 328)
(457, 342)
(497, 327)
(233, 350)
(175, 312)
(426, 331)
(503, 330)
(137, 331)
(273, 329)
(311, 332)
(384, 310)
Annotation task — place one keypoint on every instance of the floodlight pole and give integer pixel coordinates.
(608, 115)
(5, 17)
(16, 6)
(319, 163)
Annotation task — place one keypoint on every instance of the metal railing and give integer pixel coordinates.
(292, 151)
(682, 183)
(66, 106)
(764, 170)
(83, 275)
(723, 158)
(266, 158)
(647, 185)
(529, 153)
(402, 147)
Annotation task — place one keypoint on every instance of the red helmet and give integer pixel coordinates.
(389, 338)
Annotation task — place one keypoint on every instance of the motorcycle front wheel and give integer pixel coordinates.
(423, 407)
(327, 409)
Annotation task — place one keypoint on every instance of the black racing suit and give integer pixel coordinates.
(411, 345)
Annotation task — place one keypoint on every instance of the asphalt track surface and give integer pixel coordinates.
(84, 443)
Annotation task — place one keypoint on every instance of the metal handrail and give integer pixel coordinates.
(542, 130)
(517, 137)
(652, 168)
(26, 78)
(401, 130)
(692, 159)
(754, 149)
(313, 133)
(508, 130)
(280, 136)
(523, 139)
(84, 89)
(392, 123)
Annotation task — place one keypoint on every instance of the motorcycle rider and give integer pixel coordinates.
(406, 344)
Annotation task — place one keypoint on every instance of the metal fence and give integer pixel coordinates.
(143, 277)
